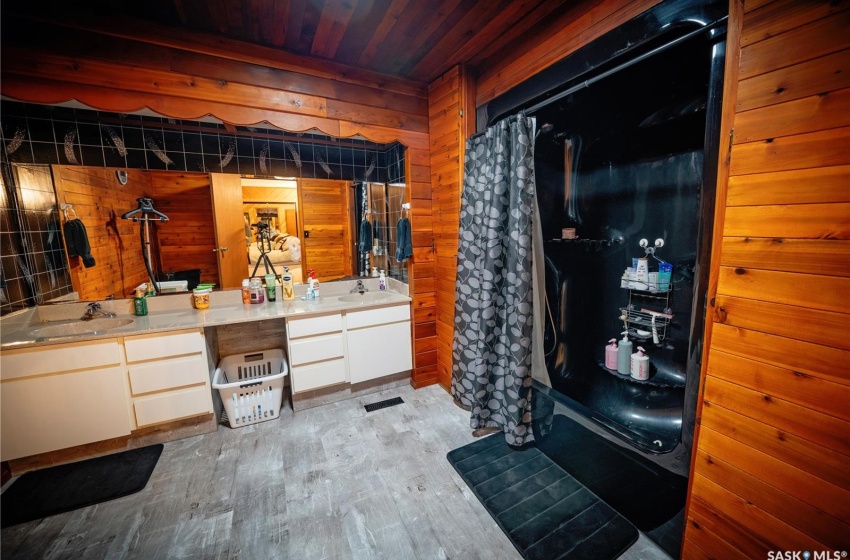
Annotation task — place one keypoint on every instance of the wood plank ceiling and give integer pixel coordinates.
(413, 39)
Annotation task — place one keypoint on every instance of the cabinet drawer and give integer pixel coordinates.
(314, 325)
(64, 357)
(151, 347)
(314, 376)
(370, 317)
(168, 374)
(172, 405)
(315, 348)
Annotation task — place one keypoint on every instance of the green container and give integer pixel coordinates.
(140, 306)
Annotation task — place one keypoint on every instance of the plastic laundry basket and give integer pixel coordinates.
(251, 386)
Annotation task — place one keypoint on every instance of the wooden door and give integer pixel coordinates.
(230, 250)
(325, 230)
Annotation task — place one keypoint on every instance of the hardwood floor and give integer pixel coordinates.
(327, 482)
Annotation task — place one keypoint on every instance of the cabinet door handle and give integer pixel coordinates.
(222, 249)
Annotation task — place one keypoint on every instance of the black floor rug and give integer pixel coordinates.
(68, 487)
(641, 491)
(547, 514)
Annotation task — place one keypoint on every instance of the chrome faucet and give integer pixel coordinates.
(359, 288)
(93, 310)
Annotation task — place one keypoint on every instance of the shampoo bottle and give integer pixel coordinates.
(624, 354)
(640, 365)
(611, 354)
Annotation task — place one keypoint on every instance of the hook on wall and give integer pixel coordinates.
(68, 208)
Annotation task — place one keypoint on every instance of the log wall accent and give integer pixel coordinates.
(115, 245)
(770, 465)
(187, 239)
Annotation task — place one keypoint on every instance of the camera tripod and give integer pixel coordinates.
(265, 245)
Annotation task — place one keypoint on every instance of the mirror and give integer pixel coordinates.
(185, 246)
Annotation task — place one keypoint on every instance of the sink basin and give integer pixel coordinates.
(367, 297)
(77, 328)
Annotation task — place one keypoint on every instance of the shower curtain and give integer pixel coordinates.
(491, 351)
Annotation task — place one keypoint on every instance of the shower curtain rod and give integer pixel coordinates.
(623, 66)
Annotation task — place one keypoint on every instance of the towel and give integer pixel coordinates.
(365, 244)
(77, 241)
(404, 246)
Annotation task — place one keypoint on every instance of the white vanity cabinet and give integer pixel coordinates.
(61, 396)
(378, 342)
(316, 352)
(169, 376)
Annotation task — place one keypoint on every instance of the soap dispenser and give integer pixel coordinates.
(611, 354)
(640, 365)
(382, 281)
(624, 354)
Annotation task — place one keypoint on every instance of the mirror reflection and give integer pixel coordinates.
(211, 231)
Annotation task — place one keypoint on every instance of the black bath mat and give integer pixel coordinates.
(646, 494)
(547, 514)
(73, 486)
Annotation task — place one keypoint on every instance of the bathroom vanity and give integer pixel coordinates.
(67, 390)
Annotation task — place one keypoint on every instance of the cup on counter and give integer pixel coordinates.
(568, 233)
(201, 298)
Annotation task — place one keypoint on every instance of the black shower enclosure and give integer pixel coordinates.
(631, 155)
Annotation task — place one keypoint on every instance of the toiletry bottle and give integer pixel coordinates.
(246, 291)
(374, 272)
(309, 293)
(382, 281)
(257, 295)
(314, 284)
(140, 304)
(642, 270)
(271, 287)
(286, 285)
(611, 354)
(640, 365)
(150, 291)
(624, 354)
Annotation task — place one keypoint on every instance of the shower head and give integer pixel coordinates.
(545, 129)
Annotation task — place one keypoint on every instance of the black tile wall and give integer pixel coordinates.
(62, 135)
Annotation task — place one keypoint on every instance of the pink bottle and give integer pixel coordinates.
(611, 354)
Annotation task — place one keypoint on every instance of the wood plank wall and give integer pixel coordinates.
(422, 275)
(115, 246)
(770, 468)
(187, 75)
(447, 101)
(186, 241)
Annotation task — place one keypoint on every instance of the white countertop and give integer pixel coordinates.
(174, 312)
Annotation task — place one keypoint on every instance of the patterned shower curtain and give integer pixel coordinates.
(491, 351)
